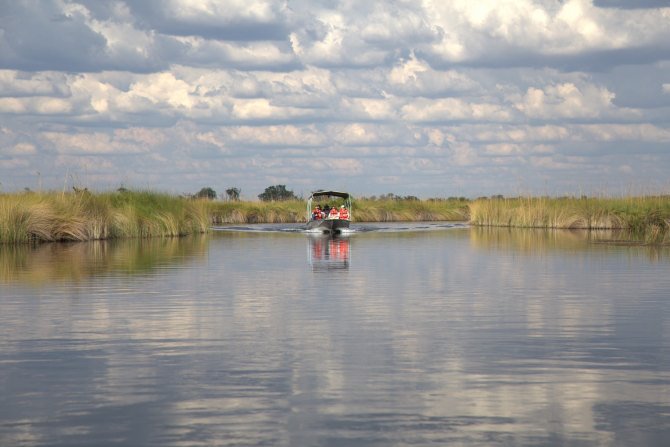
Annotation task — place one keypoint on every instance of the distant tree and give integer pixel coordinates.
(276, 193)
(233, 194)
(389, 196)
(206, 193)
(411, 198)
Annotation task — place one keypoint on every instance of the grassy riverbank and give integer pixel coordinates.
(287, 211)
(82, 216)
(394, 210)
(363, 210)
(79, 216)
(644, 217)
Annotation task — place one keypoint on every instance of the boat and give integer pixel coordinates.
(328, 211)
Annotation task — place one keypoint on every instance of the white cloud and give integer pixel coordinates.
(263, 109)
(21, 149)
(625, 132)
(370, 109)
(339, 166)
(35, 105)
(333, 40)
(212, 11)
(463, 154)
(289, 135)
(357, 135)
(566, 100)
(476, 30)
(260, 91)
(247, 55)
(99, 143)
(145, 137)
(453, 109)
(414, 77)
(97, 93)
(164, 89)
(16, 84)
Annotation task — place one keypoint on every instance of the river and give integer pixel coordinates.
(391, 335)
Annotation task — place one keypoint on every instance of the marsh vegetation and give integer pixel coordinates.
(644, 218)
(82, 215)
(363, 210)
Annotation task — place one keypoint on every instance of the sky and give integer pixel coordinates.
(430, 98)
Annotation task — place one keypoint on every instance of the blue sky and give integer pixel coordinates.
(430, 98)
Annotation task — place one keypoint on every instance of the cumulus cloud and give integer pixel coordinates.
(286, 136)
(95, 143)
(528, 33)
(63, 36)
(35, 105)
(270, 56)
(414, 77)
(16, 84)
(453, 109)
(565, 101)
(262, 91)
(239, 20)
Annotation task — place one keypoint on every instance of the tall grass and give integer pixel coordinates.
(81, 216)
(646, 217)
(288, 211)
(403, 210)
(363, 210)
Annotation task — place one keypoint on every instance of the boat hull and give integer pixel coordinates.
(328, 225)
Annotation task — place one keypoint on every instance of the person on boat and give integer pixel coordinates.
(326, 210)
(344, 213)
(333, 214)
(317, 214)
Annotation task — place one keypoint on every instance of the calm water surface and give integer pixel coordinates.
(391, 336)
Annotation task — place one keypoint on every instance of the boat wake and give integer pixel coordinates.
(385, 227)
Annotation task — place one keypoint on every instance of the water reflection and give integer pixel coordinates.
(442, 337)
(328, 252)
(543, 241)
(44, 263)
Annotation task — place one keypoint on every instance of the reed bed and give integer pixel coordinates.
(403, 210)
(643, 217)
(80, 216)
(288, 211)
(363, 210)
(83, 216)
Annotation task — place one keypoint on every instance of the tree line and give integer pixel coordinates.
(278, 193)
(274, 193)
